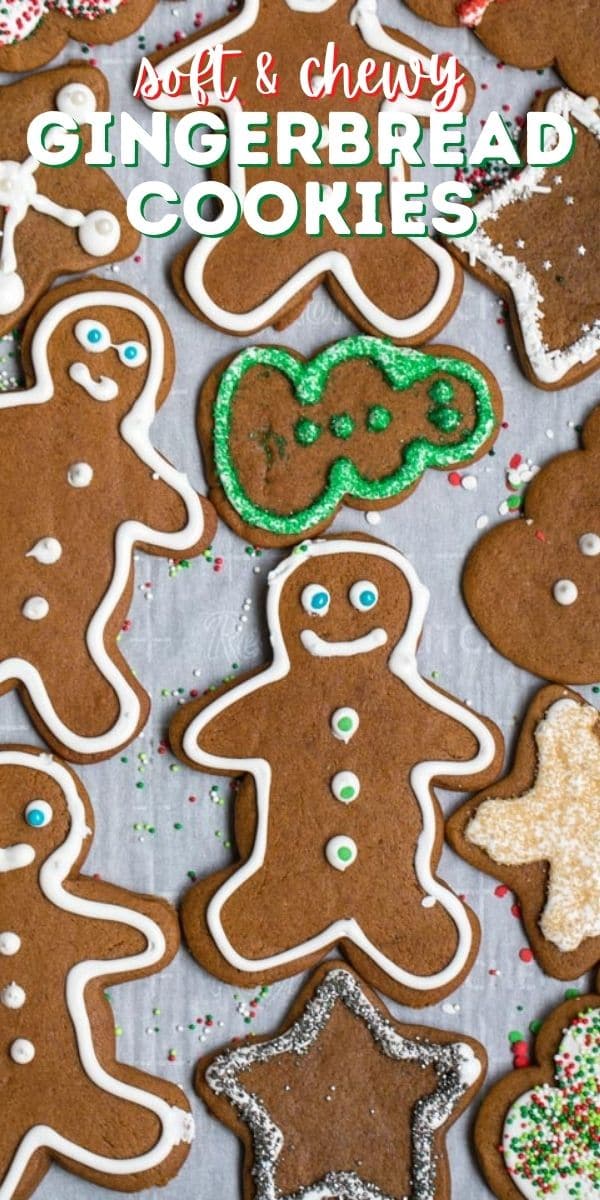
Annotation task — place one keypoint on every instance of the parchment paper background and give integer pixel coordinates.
(190, 634)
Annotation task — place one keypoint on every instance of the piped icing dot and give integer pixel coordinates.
(99, 233)
(132, 354)
(22, 1051)
(80, 475)
(344, 723)
(10, 943)
(341, 852)
(315, 600)
(12, 996)
(47, 551)
(307, 432)
(345, 786)
(378, 418)
(565, 592)
(441, 392)
(77, 100)
(38, 814)
(36, 608)
(589, 544)
(342, 426)
(363, 595)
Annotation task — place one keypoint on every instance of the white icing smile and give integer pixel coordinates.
(12, 858)
(99, 389)
(320, 648)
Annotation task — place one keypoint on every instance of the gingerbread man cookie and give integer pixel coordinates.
(42, 234)
(403, 287)
(34, 31)
(534, 244)
(536, 1134)
(533, 584)
(538, 830)
(63, 939)
(530, 33)
(83, 485)
(343, 1102)
(286, 442)
(340, 741)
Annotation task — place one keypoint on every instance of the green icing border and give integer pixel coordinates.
(402, 367)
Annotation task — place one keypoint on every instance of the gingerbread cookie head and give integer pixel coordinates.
(43, 233)
(44, 831)
(33, 31)
(533, 585)
(99, 358)
(103, 348)
(333, 606)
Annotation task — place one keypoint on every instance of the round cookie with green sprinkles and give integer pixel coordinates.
(538, 1131)
(287, 441)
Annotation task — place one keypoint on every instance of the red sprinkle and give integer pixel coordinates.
(501, 890)
(526, 955)
(454, 479)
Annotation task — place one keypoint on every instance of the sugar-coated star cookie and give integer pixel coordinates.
(538, 830)
(343, 1102)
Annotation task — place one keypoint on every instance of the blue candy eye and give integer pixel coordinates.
(363, 595)
(315, 600)
(92, 335)
(132, 354)
(38, 813)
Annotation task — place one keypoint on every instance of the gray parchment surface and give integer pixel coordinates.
(190, 633)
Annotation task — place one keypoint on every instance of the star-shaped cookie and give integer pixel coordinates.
(344, 1102)
(534, 244)
(538, 830)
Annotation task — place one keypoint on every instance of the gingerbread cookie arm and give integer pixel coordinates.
(129, 941)
(213, 733)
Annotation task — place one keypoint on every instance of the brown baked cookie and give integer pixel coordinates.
(538, 831)
(287, 441)
(82, 485)
(533, 584)
(343, 1101)
(340, 742)
(34, 31)
(43, 235)
(403, 287)
(536, 1134)
(534, 244)
(530, 33)
(64, 938)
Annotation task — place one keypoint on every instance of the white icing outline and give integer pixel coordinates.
(177, 1125)
(134, 429)
(401, 663)
(331, 262)
(549, 366)
(320, 648)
